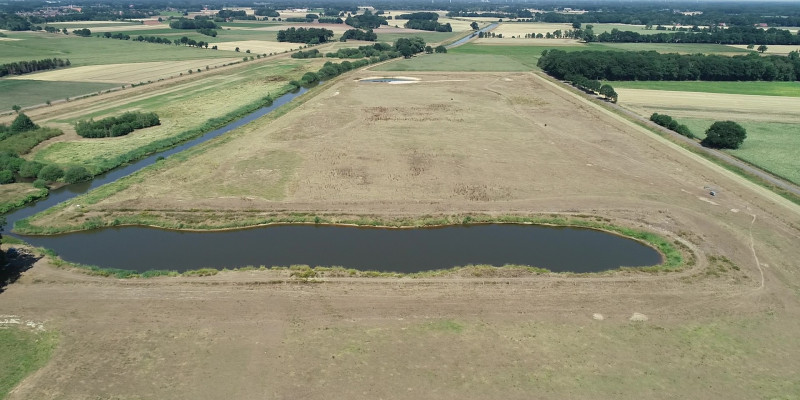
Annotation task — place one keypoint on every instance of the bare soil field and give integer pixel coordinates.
(453, 143)
(711, 105)
(126, 73)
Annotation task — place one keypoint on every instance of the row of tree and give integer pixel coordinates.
(428, 16)
(305, 35)
(653, 66)
(26, 67)
(116, 126)
(732, 35)
(358, 34)
(670, 123)
(593, 86)
(197, 23)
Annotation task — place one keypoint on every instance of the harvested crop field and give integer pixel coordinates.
(522, 28)
(452, 144)
(125, 73)
(711, 105)
(258, 46)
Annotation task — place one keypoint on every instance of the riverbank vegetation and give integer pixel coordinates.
(116, 126)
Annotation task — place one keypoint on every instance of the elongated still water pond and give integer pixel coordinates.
(398, 250)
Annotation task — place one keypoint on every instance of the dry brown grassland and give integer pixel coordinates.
(450, 144)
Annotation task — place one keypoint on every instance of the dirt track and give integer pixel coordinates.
(500, 143)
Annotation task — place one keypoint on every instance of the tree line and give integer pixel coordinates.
(653, 66)
(26, 67)
(732, 35)
(358, 34)
(116, 126)
(425, 25)
(670, 123)
(305, 35)
(184, 23)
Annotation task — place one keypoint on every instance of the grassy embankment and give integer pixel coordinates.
(22, 351)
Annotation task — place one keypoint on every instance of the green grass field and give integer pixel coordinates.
(687, 48)
(455, 62)
(29, 92)
(772, 146)
(791, 89)
(22, 351)
(96, 51)
(526, 55)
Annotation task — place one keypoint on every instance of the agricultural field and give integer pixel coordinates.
(682, 48)
(125, 74)
(28, 92)
(773, 126)
(790, 89)
(458, 143)
(96, 51)
(455, 62)
(771, 49)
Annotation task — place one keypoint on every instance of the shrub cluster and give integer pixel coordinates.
(116, 126)
(313, 53)
(305, 35)
(668, 122)
(426, 25)
(358, 34)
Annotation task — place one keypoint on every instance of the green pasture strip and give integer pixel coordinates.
(791, 89)
(28, 92)
(98, 51)
(428, 37)
(454, 62)
(525, 55)
(771, 146)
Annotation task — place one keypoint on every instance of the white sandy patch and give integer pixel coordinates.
(638, 317)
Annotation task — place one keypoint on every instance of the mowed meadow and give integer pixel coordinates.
(766, 109)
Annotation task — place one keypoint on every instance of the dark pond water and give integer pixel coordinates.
(398, 250)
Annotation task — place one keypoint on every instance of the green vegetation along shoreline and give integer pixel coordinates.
(675, 255)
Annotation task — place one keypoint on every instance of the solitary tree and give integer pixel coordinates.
(724, 135)
(762, 48)
(751, 46)
(16, 108)
(576, 25)
(474, 26)
(440, 49)
(22, 124)
(609, 93)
